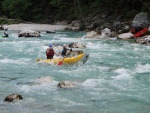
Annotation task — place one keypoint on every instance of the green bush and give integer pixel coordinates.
(6, 21)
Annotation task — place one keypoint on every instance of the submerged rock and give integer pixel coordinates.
(77, 45)
(65, 84)
(143, 40)
(13, 97)
(44, 79)
(51, 32)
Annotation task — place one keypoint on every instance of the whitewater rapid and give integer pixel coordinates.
(114, 79)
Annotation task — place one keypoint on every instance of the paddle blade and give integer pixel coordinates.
(60, 63)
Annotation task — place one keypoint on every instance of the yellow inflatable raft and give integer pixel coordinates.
(67, 60)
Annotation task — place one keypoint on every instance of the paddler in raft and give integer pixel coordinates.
(50, 52)
(64, 51)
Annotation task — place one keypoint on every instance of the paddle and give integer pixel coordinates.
(61, 62)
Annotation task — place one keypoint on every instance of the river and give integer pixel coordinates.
(115, 79)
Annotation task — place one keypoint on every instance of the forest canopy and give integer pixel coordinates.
(45, 10)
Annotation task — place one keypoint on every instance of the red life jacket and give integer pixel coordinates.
(50, 52)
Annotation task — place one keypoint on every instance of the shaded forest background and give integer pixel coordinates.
(49, 11)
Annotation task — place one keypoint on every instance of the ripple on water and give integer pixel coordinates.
(116, 74)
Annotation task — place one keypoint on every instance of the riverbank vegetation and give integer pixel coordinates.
(50, 11)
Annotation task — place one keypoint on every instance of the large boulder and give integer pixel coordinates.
(105, 33)
(92, 34)
(125, 36)
(29, 33)
(13, 97)
(77, 45)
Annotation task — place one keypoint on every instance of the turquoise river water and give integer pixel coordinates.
(115, 79)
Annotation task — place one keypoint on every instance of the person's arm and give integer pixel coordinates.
(56, 54)
(46, 52)
(68, 48)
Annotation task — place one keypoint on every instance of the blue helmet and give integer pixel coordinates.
(51, 45)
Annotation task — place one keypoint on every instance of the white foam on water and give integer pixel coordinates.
(30, 51)
(44, 48)
(92, 68)
(1, 55)
(123, 74)
(142, 68)
(39, 87)
(21, 42)
(43, 79)
(91, 45)
(72, 103)
(18, 61)
(75, 72)
(56, 37)
(67, 102)
(91, 83)
(44, 42)
(99, 55)
(103, 68)
(137, 49)
(14, 35)
(90, 39)
(99, 46)
(69, 39)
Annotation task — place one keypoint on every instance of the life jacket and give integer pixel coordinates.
(50, 52)
(64, 51)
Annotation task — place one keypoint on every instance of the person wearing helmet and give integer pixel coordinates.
(64, 51)
(50, 52)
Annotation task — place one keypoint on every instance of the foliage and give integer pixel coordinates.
(4, 21)
(40, 10)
